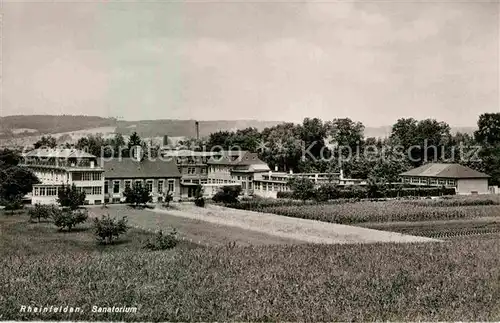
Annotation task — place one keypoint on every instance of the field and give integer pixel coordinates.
(354, 212)
(458, 279)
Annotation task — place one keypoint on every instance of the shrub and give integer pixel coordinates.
(284, 195)
(40, 212)
(68, 219)
(302, 188)
(162, 241)
(106, 229)
(227, 195)
(70, 197)
(198, 196)
(168, 197)
(138, 194)
(200, 202)
(13, 205)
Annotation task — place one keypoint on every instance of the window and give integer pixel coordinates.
(36, 191)
(203, 181)
(97, 190)
(149, 186)
(191, 170)
(97, 202)
(203, 170)
(451, 182)
(86, 176)
(116, 186)
(160, 186)
(244, 185)
(414, 180)
(171, 185)
(442, 182)
(433, 181)
(106, 187)
(42, 191)
(96, 176)
(127, 184)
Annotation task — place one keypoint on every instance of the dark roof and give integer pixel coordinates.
(131, 168)
(440, 170)
(236, 158)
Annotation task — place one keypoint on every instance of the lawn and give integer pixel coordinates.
(455, 280)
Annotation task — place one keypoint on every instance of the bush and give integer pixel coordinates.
(70, 197)
(40, 212)
(162, 241)
(13, 205)
(168, 197)
(138, 194)
(302, 188)
(68, 219)
(200, 202)
(106, 229)
(284, 195)
(227, 195)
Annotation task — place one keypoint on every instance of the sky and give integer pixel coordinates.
(372, 61)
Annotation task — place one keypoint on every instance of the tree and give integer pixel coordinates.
(199, 200)
(302, 188)
(46, 142)
(68, 218)
(168, 197)
(346, 132)
(488, 136)
(15, 183)
(107, 229)
(70, 197)
(137, 195)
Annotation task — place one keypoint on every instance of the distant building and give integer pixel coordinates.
(236, 167)
(158, 176)
(465, 180)
(57, 167)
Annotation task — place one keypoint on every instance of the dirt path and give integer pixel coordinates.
(309, 231)
(194, 230)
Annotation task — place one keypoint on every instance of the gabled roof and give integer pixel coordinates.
(235, 158)
(131, 168)
(59, 153)
(441, 170)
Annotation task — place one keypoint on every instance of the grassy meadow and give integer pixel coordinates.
(454, 280)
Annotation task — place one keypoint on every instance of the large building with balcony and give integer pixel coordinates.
(465, 180)
(158, 175)
(57, 167)
(235, 168)
(192, 166)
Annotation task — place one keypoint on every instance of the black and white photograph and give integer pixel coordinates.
(250, 161)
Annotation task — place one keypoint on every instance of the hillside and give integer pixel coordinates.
(25, 130)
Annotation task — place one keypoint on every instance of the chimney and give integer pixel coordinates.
(341, 174)
(291, 171)
(276, 168)
(165, 140)
(197, 127)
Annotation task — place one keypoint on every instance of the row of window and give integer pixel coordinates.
(149, 185)
(431, 181)
(276, 187)
(53, 190)
(192, 170)
(91, 190)
(87, 176)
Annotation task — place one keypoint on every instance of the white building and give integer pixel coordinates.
(465, 180)
(57, 167)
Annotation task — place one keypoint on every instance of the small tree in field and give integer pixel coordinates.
(107, 229)
(168, 197)
(70, 197)
(137, 195)
(68, 219)
(40, 212)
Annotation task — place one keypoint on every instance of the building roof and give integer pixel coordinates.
(58, 153)
(254, 168)
(235, 158)
(440, 170)
(132, 168)
(187, 153)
